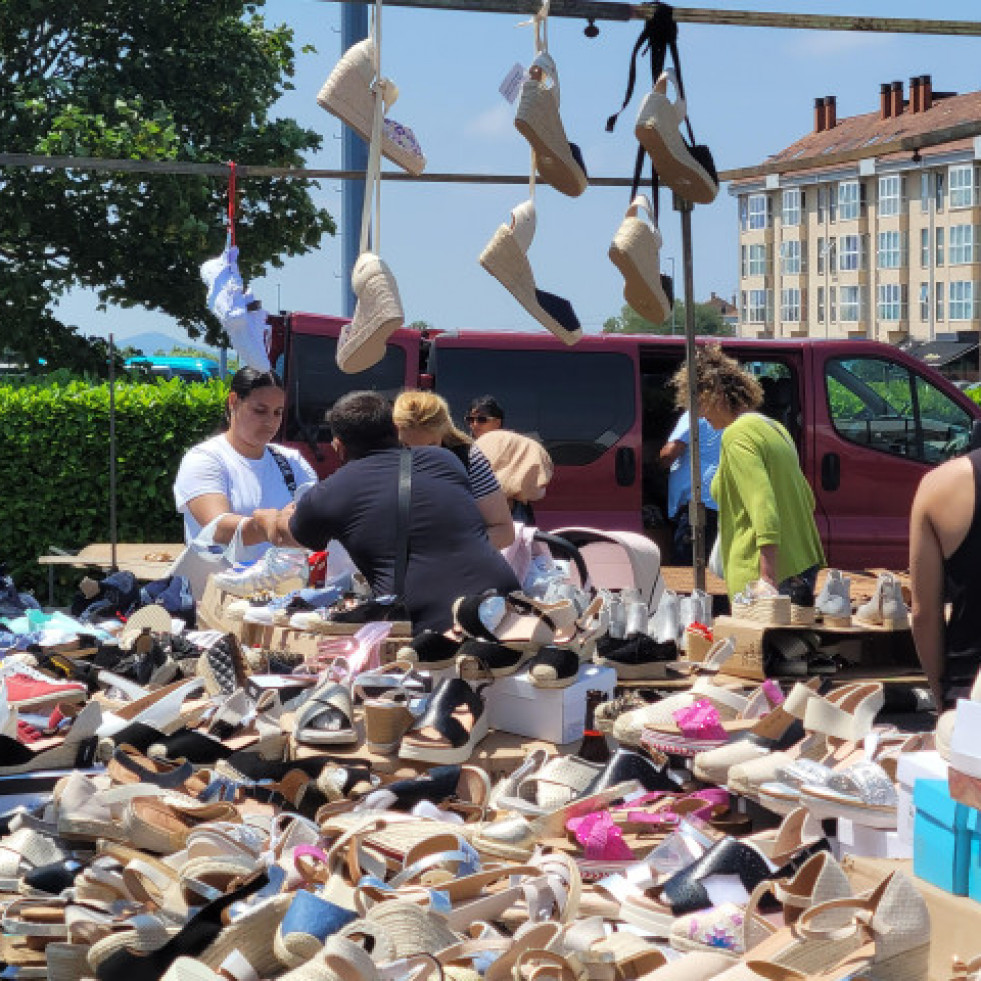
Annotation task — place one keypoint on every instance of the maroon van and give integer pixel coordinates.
(868, 419)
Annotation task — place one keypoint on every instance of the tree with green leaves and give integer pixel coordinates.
(708, 322)
(178, 80)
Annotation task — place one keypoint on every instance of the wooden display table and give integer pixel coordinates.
(148, 561)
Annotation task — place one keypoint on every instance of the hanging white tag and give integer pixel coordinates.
(511, 85)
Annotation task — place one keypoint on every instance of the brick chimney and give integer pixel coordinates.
(885, 101)
(926, 92)
(914, 93)
(819, 115)
(897, 98)
(830, 111)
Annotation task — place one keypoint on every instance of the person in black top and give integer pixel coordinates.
(449, 552)
(945, 559)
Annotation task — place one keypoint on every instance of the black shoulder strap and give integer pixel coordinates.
(285, 468)
(402, 520)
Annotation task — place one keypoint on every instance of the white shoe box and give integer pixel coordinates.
(554, 714)
(912, 767)
(866, 842)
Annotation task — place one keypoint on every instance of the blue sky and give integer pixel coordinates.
(750, 93)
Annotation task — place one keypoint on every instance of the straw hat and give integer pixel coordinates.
(153, 617)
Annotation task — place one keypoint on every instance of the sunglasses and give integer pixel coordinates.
(478, 418)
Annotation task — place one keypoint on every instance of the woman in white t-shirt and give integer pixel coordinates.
(239, 471)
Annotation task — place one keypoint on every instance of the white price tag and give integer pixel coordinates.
(511, 85)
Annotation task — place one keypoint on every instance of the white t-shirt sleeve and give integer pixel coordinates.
(202, 471)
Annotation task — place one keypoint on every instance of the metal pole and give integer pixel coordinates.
(696, 509)
(113, 535)
(354, 156)
(674, 284)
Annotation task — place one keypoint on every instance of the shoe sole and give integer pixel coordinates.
(434, 754)
(537, 119)
(377, 315)
(507, 263)
(767, 609)
(636, 672)
(641, 294)
(346, 737)
(346, 95)
(657, 132)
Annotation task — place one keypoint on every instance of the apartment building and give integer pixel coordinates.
(888, 248)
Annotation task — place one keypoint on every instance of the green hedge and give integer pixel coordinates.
(54, 466)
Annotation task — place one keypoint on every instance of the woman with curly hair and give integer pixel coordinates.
(766, 507)
(423, 419)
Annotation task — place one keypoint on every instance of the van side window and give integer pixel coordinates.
(884, 405)
(781, 399)
(577, 404)
(315, 383)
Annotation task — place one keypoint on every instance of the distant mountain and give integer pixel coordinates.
(151, 342)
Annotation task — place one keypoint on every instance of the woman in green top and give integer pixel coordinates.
(766, 507)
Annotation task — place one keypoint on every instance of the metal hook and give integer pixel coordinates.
(591, 30)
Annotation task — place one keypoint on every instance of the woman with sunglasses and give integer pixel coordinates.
(485, 415)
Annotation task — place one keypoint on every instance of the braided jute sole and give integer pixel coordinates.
(634, 252)
(347, 94)
(538, 121)
(657, 132)
(765, 609)
(377, 316)
(505, 260)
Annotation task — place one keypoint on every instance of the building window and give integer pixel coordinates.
(961, 296)
(790, 264)
(832, 294)
(757, 210)
(890, 251)
(791, 206)
(892, 302)
(742, 307)
(961, 188)
(822, 204)
(849, 259)
(790, 306)
(962, 238)
(820, 305)
(820, 254)
(758, 304)
(757, 260)
(849, 200)
(925, 191)
(924, 248)
(890, 195)
(851, 303)
(940, 246)
(924, 302)
(938, 190)
(940, 301)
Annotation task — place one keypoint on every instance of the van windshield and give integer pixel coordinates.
(576, 403)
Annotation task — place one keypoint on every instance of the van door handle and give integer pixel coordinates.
(830, 471)
(625, 467)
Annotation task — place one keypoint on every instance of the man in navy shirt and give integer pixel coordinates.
(449, 552)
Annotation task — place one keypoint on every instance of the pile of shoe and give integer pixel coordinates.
(199, 852)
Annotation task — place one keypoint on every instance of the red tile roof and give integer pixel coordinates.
(870, 128)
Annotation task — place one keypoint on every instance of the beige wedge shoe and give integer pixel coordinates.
(635, 251)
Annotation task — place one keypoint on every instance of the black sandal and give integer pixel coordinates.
(431, 650)
(554, 667)
(194, 938)
(457, 743)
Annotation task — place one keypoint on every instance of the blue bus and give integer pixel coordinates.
(186, 368)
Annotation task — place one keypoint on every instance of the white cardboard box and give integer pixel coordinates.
(858, 839)
(553, 714)
(912, 767)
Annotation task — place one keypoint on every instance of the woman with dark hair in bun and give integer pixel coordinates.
(239, 470)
